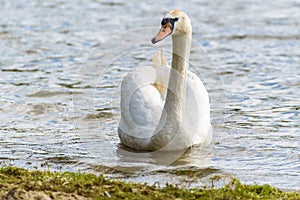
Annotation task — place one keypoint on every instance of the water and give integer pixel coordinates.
(61, 68)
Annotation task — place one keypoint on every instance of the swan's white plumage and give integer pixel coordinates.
(142, 105)
(154, 118)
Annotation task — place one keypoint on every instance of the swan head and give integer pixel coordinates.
(175, 22)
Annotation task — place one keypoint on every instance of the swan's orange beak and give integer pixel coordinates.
(163, 32)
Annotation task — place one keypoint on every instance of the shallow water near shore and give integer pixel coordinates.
(62, 63)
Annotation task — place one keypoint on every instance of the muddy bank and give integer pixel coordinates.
(17, 183)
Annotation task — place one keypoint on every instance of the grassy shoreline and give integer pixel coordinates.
(18, 183)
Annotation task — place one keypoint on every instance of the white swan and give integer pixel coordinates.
(153, 118)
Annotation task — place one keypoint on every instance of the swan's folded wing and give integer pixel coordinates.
(197, 110)
(141, 104)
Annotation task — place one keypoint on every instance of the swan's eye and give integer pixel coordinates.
(164, 21)
(169, 22)
(176, 19)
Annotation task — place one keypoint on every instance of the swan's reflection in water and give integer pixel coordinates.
(192, 167)
(166, 158)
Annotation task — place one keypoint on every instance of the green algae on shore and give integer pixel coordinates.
(17, 183)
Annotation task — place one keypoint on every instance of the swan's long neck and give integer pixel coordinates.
(171, 120)
(177, 82)
(181, 52)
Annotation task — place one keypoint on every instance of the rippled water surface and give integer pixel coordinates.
(61, 65)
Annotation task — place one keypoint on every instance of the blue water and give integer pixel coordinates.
(62, 62)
